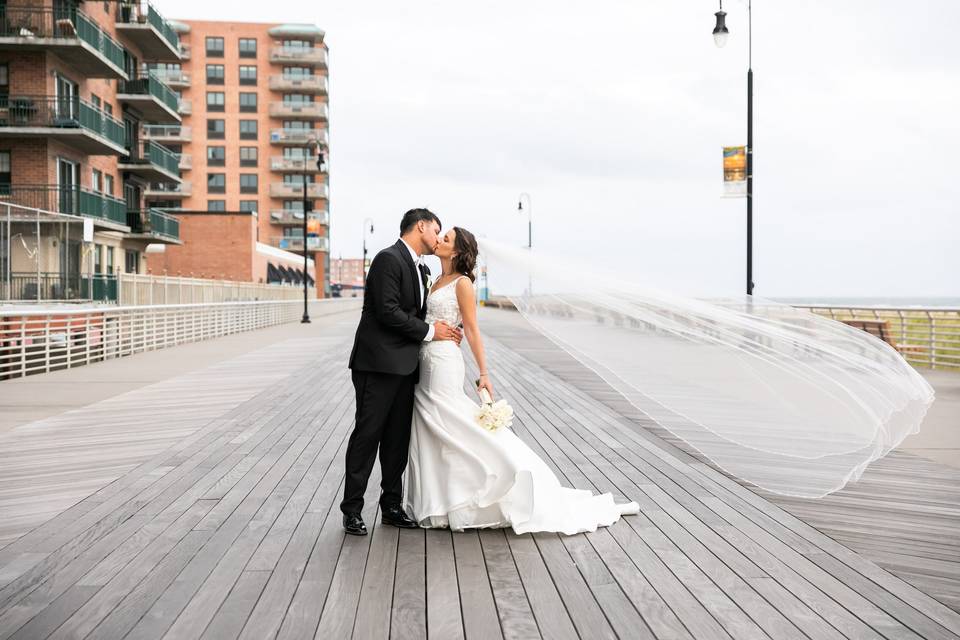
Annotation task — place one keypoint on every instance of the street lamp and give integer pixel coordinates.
(529, 216)
(720, 33)
(363, 265)
(307, 206)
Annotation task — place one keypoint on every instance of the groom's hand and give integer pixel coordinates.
(443, 331)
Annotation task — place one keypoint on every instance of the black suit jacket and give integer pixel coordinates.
(392, 321)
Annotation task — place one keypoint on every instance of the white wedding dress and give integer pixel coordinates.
(461, 476)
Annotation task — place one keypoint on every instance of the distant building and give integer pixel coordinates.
(253, 96)
(76, 103)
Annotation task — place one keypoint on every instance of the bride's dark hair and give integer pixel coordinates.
(465, 245)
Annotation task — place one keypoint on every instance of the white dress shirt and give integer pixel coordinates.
(417, 261)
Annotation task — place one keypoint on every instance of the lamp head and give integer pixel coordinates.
(720, 31)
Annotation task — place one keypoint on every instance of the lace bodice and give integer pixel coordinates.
(442, 305)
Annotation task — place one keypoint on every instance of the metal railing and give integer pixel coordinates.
(71, 200)
(139, 289)
(66, 23)
(40, 341)
(155, 154)
(169, 189)
(300, 55)
(153, 86)
(301, 110)
(310, 84)
(295, 190)
(61, 112)
(925, 336)
(298, 136)
(170, 77)
(292, 217)
(132, 13)
(167, 132)
(155, 223)
(295, 243)
(298, 165)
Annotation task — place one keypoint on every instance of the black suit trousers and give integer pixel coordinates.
(384, 414)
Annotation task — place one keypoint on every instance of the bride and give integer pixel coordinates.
(460, 475)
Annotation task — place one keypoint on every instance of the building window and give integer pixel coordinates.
(96, 180)
(215, 100)
(248, 206)
(216, 205)
(248, 183)
(216, 129)
(97, 102)
(248, 129)
(297, 72)
(299, 125)
(4, 173)
(108, 185)
(110, 267)
(98, 258)
(216, 156)
(216, 183)
(248, 74)
(248, 156)
(248, 47)
(108, 109)
(298, 44)
(214, 74)
(248, 102)
(297, 98)
(214, 47)
(4, 80)
(133, 261)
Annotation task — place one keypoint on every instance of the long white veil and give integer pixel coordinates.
(792, 402)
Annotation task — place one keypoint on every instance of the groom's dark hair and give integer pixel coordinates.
(412, 217)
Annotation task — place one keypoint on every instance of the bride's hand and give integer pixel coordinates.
(485, 384)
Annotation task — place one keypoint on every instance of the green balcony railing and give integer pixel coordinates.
(63, 23)
(154, 222)
(151, 85)
(63, 112)
(161, 25)
(70, 200)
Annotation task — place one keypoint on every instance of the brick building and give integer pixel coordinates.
(75, 98)
(347, 272)
(255, 96)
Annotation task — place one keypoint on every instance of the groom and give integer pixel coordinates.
(385, 368)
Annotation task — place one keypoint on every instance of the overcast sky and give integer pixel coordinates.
(612, 115)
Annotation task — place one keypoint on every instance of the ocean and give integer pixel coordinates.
(875, 301)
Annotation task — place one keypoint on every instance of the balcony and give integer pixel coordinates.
(154, 225)
(291, 190)
(288, 218)
(149, 31)
(171, 77)
(152, 98)
(71, 121)
(280, 164)
(186, 106)
(169, 190)
(151, 161)
(295, 243)
(185, 161)
(299, 110)
(300, 56)
(298, 137)
(106, 211)
(68, 33)
(300, 84)
(167, 133)
(184, 51)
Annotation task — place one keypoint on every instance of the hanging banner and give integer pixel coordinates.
(734, 172)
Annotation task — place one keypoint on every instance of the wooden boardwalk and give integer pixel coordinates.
(217, 517)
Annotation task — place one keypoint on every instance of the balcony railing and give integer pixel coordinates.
(167, 132)
(155, 223)
(66, 113)
(287, 217)
(170, 77)
(153, 86)
(295, 243)
(298, 136)
(186, 106)
(299, 110)
(169, 190)
(303, 84)
(184, 51)
(31, 23)
(156, 157)
(70, 200)
(293, 165)
(30, 286)
(294, 190)
(299, 55)
(133, 14)
(185, 161)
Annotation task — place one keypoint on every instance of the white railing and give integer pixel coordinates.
(926, 337)
(39, 341)
(140, 289)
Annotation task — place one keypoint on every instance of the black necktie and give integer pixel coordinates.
(424, 272)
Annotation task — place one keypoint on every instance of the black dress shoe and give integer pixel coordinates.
(396, 517)
(353, 524)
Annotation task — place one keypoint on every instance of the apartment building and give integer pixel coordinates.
(253, 100)
(76, 98)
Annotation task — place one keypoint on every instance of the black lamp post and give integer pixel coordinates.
(307, 206)
(529, 216)
(720, 33)
(363, 265)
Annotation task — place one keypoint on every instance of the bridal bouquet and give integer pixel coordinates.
(491, 415)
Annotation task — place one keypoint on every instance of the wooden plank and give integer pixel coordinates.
(480, 620)
(541, 592)
(513, 608)
(408, 620)
(444, 616)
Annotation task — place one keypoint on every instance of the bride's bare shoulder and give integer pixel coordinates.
(464, 288)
